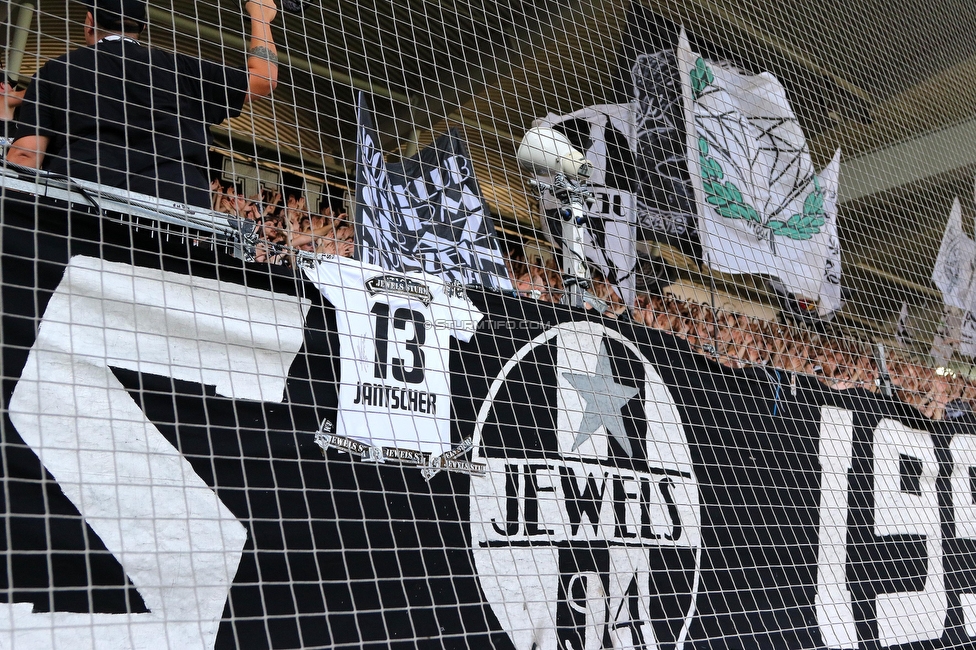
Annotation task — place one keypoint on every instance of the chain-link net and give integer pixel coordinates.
(488, 325)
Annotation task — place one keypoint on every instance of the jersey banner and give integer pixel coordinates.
(177, 472)
(390, 400)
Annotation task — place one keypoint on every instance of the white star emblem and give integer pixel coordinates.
(604, 398)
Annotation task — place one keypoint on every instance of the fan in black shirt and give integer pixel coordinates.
(127, 116)
(10, 99)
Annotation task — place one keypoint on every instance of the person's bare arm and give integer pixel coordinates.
(28, 151)
(262, 55)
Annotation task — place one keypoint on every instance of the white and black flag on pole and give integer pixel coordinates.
(648, 77)
(605, 134)
(378, 222)
(426, 213)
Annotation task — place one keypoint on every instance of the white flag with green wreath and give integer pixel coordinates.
(761, 205)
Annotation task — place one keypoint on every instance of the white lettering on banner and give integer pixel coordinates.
(619, 508)
(963, 481)
(906, 503)
(963, 448)
(174, 539)
(906, 511)
(458, 167)
(835, 611)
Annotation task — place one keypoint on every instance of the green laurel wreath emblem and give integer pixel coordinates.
(701, 77)
(727, 198)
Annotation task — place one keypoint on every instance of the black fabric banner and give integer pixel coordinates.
(425, 213)
(635, 494)
(649, 78)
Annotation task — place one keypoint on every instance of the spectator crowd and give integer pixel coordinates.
(285, 224)
(734, 340)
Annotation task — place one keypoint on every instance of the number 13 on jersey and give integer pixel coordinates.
(394, 386)
(401, 319)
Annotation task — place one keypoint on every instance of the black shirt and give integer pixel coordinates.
(127, 116)
(6, 131)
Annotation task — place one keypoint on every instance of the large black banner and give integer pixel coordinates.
(165, 483)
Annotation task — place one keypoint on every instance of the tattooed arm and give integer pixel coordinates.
(262, 55)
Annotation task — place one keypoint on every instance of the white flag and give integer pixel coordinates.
(947, 337)
(953, 271)
(967, 333)
(760, 206)
(944, 274)
(903, 331)
(606, 135)
(830, 287)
